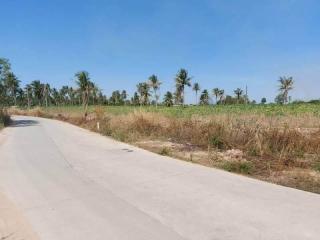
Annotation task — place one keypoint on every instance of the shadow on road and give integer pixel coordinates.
(23, 123)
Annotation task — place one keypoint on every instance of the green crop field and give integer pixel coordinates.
(188, 111)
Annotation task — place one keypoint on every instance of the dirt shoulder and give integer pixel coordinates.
(13, 224)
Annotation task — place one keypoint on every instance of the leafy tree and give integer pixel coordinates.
(204, 98)
(168, 99)
(263, 100)
(155, 85)
(182, 79)
(286, 84)
(196, 88)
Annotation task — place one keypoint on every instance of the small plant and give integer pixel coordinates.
(243, 167)
(165, 151)
(216, 141)
(316, 166)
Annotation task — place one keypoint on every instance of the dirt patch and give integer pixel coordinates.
(13, 225)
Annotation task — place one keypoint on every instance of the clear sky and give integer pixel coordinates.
(222, 43)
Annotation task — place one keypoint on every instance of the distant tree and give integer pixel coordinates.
(168, 99)
(196, 88)
(115, 98)
(46, 93)
(135, 100)
(154, 83)
(216, 93)
(280, 99)
(263, 100)
(238, 92)
(286, 84)
(37, 91)
(182, 79)
(204, 98)
(85, 86)
(123, 96)
(11, 83)
(28, 92)
(221, 96)
(5, 67)
(144, 92)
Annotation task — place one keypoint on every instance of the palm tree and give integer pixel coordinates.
(196, 88)
(286, 84)
(11, 83)
(216, 93)
(154, 83)
(204, 98)
(37, 90)
(238, 93)
(144, 91)
(46, 93)
(85, 86)
(221, 95)
(28, 91)
(5, 67)
(168, 99)
(182, 79)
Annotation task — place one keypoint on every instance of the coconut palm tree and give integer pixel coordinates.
(154, 83)
(144, 91)
(286, 84)
(221, 95)
(182, 79)
(46, 92)
(196, 88)
(11, 83)
(85, 86)
(28, 92)
(204, 98)
(37, 90)
(168, 99)
(216, 93)
(238, 92)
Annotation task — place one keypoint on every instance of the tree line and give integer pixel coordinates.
(86, 92)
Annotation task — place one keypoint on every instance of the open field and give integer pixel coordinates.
(276, 143)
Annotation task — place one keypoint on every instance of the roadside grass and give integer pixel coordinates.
(280, 144)
(4, 118)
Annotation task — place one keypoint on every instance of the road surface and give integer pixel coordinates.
(70, 183)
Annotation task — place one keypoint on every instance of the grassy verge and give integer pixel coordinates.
(280, 144)
(4, 118)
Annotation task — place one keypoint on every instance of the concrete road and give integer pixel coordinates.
(74, 184)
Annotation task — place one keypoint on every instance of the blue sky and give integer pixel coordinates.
(222, 43)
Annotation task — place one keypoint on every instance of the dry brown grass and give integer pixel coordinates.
(273, 148)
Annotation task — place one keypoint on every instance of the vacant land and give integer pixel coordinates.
(280, 144)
